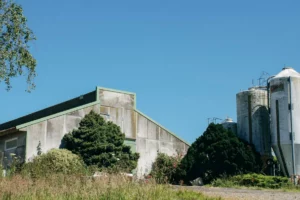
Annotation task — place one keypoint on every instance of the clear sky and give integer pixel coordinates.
(185, 60)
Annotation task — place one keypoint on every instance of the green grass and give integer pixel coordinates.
(62, 187)
(256, 181)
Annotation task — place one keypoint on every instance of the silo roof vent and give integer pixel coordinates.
(287, 68)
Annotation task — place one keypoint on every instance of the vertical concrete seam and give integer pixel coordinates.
(45, 135)
(64, 125)
(122, 121)
(159, 139)
(136, 124)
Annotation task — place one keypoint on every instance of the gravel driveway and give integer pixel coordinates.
(232, 193)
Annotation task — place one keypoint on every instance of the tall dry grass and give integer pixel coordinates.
(78, 187)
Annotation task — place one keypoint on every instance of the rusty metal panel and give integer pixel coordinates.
(116, 99)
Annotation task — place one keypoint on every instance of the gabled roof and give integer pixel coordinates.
(73, 103)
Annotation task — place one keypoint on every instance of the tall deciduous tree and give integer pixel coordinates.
(101, 143)
(218, 152)
(15, 57)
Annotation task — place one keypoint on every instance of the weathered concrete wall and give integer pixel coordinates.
(116, 99)
(124, 118)
(50, 132)
(151, 139)
(143, 134)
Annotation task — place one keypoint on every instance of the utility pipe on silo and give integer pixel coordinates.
(292, 134)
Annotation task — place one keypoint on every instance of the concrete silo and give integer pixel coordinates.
(253, 118)
(229, 124)
(284, 91)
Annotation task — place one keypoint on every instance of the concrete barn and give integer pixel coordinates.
(48, 126)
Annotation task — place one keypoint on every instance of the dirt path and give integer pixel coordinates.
(245, 194)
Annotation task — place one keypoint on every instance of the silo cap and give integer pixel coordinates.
(227, 120)
(287, 72)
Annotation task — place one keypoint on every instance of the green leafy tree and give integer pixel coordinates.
(101, 143)
(15, 36)
(219, 152)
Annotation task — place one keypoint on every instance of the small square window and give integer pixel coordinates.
(11, 144)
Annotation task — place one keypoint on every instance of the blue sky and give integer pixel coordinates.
(185, 60)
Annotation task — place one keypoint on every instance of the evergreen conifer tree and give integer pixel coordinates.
(101, 143)
(219, 152)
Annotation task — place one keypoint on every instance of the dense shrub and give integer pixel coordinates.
(217, 152)
(53, 162)
(101, 144)
(166, 169)
(253, 180)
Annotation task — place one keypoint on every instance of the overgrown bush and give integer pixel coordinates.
(253, 180)
(167, 169)
(101, 144)
(54, 161)
(217, 152)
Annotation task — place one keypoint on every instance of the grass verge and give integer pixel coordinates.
(62, 187)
